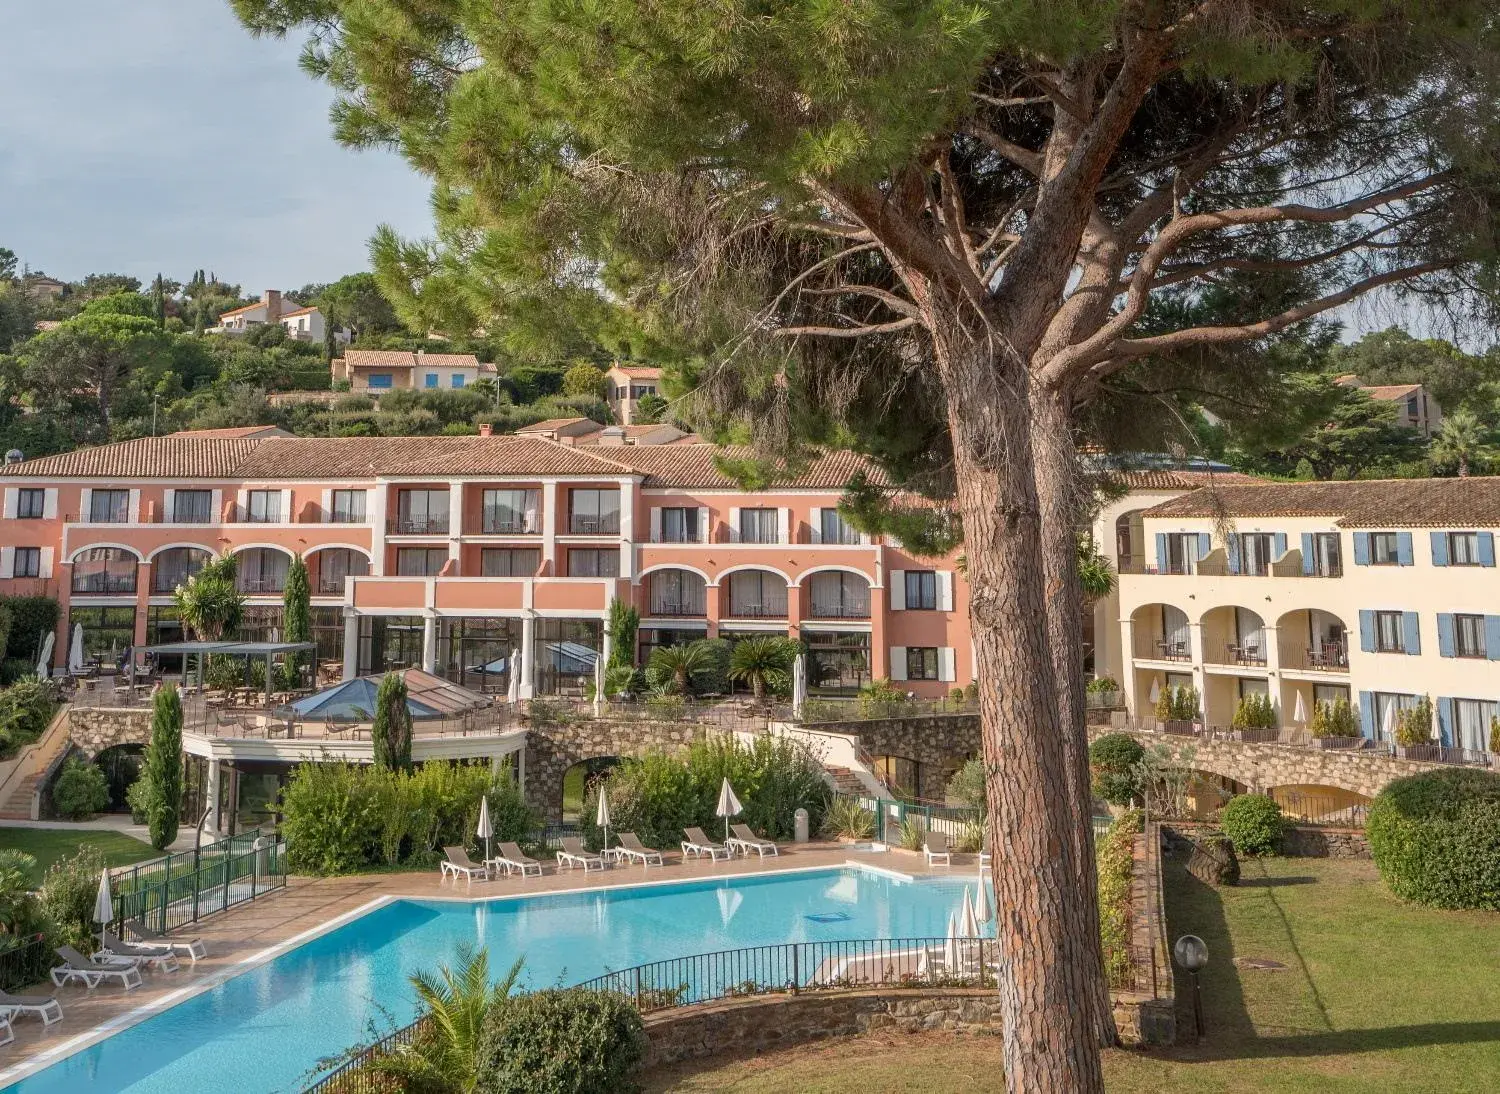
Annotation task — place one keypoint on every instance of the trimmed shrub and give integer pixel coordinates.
(1114, 764)
(1114, 859)
(163, 771)
(1177, 705)
(1414, 724)
(1435, 838)
(1102, 685)
(1255, 712)
(1335, 719)
(80, 790)
(31, 618)
(561, 1042)
(67, 896)
(391, 732)
(1253, 823)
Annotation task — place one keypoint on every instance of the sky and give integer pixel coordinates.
(158, 135)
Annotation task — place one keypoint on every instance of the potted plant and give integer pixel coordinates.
(1103, 693)
(1177, 710)
(1334, 725)
(1414, 728)
(1254, 716)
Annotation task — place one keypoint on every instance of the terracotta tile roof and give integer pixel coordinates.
(550, 424)
(380, 358)
(1172, 479)
(241, 310)
(235, 431)
(144, 458)
(639, 372)
(299, 311)
(1390, 392)
(693, 465)
(447, 360)
(1373, 503)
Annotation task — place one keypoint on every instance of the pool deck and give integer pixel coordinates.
(251, 934)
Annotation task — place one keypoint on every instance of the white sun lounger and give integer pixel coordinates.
(45, 1007)
(631, 848)
(513, 858)
(457, 862)
(191, 948)
(574, 853)
(160, 958)
(7, 1035)
(77, 967)
(935, 849)
(697, 845)
(745, 841)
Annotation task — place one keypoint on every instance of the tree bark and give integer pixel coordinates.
(1059, 496)
(1050, 1041)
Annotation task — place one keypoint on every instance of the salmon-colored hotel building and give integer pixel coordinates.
(446, 553)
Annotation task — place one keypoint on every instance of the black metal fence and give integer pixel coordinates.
(183, 888)
(25, 963)
(354, 1075)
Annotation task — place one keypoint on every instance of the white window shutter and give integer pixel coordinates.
(287, 517)
(217, 504)
(241, 504)
(44, 568)
(326, 504)
(49, 504)
(784, 527)
(655, 524)
(896, 585)
(898, 662)
(12, 502)
(134, 515)
(945, 664)
(815, 519)
(703, 529)
(945, 590)
(85, 503)
(734, 525)
(168, 509)
(7, 562)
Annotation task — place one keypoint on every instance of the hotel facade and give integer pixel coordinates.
(447, 553)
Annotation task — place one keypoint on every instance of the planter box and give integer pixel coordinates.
(1335, 743)
(1180, 728)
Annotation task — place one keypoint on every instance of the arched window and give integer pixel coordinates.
(104, 571)
(170, 568)
(677, 592)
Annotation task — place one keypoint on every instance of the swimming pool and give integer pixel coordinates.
(265, 1030)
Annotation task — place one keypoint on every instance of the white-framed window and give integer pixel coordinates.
(1390, 636)
(263, 506)
(192, 506)
(348, 507)
(921, 590)
(760, 526)
(109, 507)
(31, 504)
(28, 562)
(679, 524)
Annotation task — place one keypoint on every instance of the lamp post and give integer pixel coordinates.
(1192, 955)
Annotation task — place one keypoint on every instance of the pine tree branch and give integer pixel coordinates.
(846, 332)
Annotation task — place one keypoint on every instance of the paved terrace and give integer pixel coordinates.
(252, 933)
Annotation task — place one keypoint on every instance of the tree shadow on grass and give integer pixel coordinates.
(1270, 882)
(1346, 1041)
(1194, 907)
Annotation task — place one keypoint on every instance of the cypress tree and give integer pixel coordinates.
(164, 767)
(391, 733)
(296, 617)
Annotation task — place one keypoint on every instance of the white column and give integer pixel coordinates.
(549, 524)
(211, 793)
(627, 528)
(520, 755)
(1127, 677)
(377, 528)
(351, 645)
(526, 689)
(455, 516)
(429, 644)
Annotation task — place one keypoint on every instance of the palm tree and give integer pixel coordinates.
(762, 661)
(445, 1055)
(1462, 441)
(671, 668)
(1096, 577)
(209, 603)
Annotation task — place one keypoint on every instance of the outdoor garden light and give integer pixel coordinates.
(1192, 955)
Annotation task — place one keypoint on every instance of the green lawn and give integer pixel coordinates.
(1376, 996)
(47, 845)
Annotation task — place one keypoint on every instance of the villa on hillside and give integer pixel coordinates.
(376, 371)
(1415, 407)
(628, 385)
(304, 324)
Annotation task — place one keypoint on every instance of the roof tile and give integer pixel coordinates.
(1472, 502)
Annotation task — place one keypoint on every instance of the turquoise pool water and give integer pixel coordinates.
(265, 1030)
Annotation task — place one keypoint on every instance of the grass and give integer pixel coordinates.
(47, 845)
(1376, 996)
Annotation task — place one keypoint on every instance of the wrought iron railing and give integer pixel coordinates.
(183, 888)
(354, 1076)
(26, 962)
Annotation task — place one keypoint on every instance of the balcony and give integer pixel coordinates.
(330, 586)
(773, 610)
(105, 583)
(1157, 647)
(261, 586)
(1331, 657)
(606, 525)
(494, 526)
(417, 526)
(854, 610)
(679, 608)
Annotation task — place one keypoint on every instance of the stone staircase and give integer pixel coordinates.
(22, 776)
(846, 782)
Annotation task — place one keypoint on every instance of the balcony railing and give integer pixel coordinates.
(678, 607)
(417, 526)
(105, 584)
(331, 586)
(496, 527)
(757, 611)
(594, 526)
(1160, 648)
(840, 611)
(166, 581)
(261, 585)
(1330, 657)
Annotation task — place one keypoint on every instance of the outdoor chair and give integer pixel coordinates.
(745, 841)
(574, 853)
(986, 856)
(631, 848)
(935, 848)
(160, 958)
(511, 857)
(45, 1007)
(192, 948)
(459, 864)
(697, 845)
(7, 1035)
(77, 967)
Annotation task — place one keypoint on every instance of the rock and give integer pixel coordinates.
(1213, 861)
(1264, 963)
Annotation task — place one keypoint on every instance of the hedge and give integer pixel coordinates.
(1253, 824)
(1114, 765)
(561, 1042)
(1435, 838)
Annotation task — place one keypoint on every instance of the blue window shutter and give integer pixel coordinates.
(1232, 547)
(1161, 552)
(1445, 634)
(1307, 554)
(1492, 637)
(1486, 548)
(1280, 544)
(1361, 548)
(1367, 714)
(1440, 548)
(1403, 549)
(1411, 633)
(1367, 631)
(1205, 544)
(1445, 721)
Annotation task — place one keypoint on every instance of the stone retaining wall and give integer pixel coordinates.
(93, 730)
(554, 747)
(939, 742)
(1302, 841)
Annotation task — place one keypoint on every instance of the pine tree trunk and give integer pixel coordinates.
(1060, 496)
(1050, 1040)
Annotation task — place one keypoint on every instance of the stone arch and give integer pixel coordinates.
(1321, 803)
(831, 568)
(135, 551)
(707, 581)
(1130, 541)
(552, 749)
(584, 773)
(755, 566)
(205, 548)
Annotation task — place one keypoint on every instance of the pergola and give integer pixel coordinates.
(247, 650)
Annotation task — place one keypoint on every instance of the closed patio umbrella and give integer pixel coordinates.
(484, 830)
(1388, 723)
(799, 685)
(950, 946)
(44, 662)
(104, 902)
(75, 650)
(513, 693)
(599, 695)
(982, 910)
(1299, 712)
(601, 815)
(729, 805)
(1155, 692)
(968, 922)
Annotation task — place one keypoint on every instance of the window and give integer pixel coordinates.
(28, 562)
(837, 662)
(261, 570)
(1255, 551)
(510, 513)
(921, 663)
(1389, 637)
(593, 562)
(594, 512)
(566, 651)
(1472, 719)
(421, 512)
(756, 594)
(1182, 553)
(680, 525)
(760, 526)
(31, 504)
(1328, 560)
(348, 507)
(192, 507)
(102, 571)
(1387, 706)
(420, 561)
(475, 652)
(1463, 548)
(1411, 407)
(1468, 636)
(840, 596)
(263, 506)
(677, 592)
(1330, 693)
(334, 565)
(174, 566)
(430, 380)
(378, 380)
(921, 591)
(389, 642)
(457, 380)
(509, 561)
(640, 391)
(833, 528)
(1385, 549)
(109, 507)
(106, 632)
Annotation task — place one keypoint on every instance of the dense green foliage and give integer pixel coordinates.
(208, 603)
(967, 785)
(623, 625)
(562, 1042)
(657, 795)
(341, 818)
(296, 621)
(20, 914)
(764, 662)
(1178, 705)
(67, 895)
(391, 731)
(1255, 712)
(847, 819)
(1253, 823)
(1414, 723)
(26, 709)
(1334, 719)
(1435, 838)
(1115, 768)
(31, 619)
(162, 773)
(80, 790)
(1115, 862)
